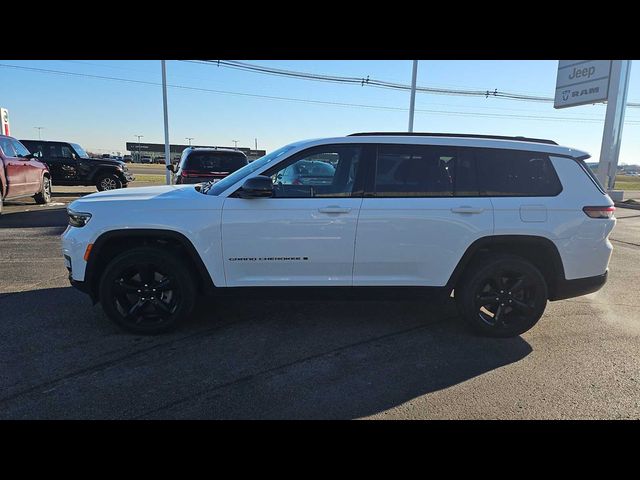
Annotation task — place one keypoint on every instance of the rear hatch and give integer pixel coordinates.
(211, 165)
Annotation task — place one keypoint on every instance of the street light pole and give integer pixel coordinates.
(189, 138)
(412, 105)
(235, 142)
(39, 128)
(139, 137)
(167, 150)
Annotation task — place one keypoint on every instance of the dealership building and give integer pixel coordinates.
(157, 150)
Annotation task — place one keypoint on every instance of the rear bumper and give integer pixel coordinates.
(579, 286)
(192, 180)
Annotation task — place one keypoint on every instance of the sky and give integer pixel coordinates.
(102, 114)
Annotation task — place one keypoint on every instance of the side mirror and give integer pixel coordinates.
(171, 168)
(260, 186)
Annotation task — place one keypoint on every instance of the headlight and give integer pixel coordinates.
(78, 219)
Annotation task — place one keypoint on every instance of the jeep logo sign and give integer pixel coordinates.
(581, 82)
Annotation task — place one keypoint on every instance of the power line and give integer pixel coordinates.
(308, 101)
(367, 81)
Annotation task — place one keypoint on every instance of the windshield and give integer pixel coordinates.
(222, 185)
(79, 150)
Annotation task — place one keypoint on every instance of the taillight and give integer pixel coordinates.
(599, 212)
(189, 173)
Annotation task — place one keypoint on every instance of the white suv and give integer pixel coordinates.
(505, 223)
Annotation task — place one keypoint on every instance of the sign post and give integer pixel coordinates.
(582, 82)
(613, 123)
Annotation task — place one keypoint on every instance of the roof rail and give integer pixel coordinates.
(455, 135)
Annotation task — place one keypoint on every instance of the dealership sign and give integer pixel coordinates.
(4, 116)
(581, 82)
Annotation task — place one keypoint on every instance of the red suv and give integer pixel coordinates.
(21, 175)
(200, 164)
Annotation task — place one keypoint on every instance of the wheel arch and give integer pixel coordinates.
(540, 251)
(114, 242)
(101, 171)
(3, 181)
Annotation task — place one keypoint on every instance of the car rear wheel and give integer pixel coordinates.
(502, 296)
(108, 182)
(147, 291)
(44, 195)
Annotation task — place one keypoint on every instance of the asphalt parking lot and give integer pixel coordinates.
(62, 358)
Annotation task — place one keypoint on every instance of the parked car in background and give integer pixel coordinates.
(22, 175)
(159, 159)
(207, 164)
(145, 159)
(70, 164)
(127, 159)
(310, 172)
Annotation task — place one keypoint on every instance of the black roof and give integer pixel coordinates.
(455, 135)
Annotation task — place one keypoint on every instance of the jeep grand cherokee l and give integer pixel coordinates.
(502, 224)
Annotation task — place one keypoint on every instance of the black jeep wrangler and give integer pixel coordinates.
(69, 164)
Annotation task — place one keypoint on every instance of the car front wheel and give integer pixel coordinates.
(502, 296)
(147, 291)
(108, 182)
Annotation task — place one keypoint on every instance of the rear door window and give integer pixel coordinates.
(514, 173)
(415, 171)
(214, 162)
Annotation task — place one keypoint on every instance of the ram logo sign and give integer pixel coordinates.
(582, 82)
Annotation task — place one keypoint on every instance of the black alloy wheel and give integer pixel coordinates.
(147, 291)
(503, 296)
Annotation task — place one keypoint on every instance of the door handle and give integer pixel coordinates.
(466, 209)
(334, 209)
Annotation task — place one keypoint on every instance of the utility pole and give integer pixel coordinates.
(412, 105)
(235, 142)
(139, 157)
(189, 138)
(256, 144)
(167, 149)
(39, 128)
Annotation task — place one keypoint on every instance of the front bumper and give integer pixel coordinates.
(579, 286)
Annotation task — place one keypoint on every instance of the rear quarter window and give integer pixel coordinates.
(214, 162)
(515, 173)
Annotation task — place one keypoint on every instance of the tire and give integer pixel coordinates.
(137, 308)
(110, 181)
(44, 195)
(506, 286)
